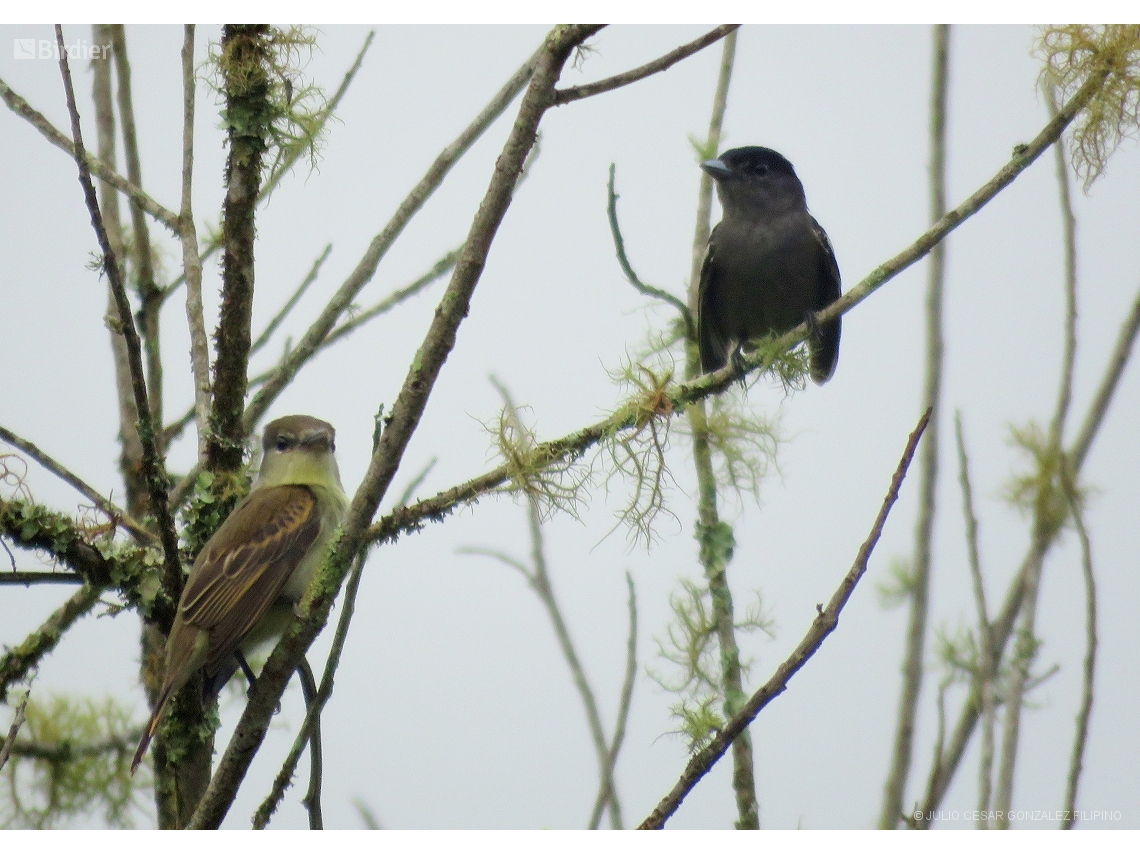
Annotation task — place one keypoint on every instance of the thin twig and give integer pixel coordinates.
(131, 450)
(437, 271)
(191, 262)
(624, 702)
(18, 719)
(538, 576)
(824, 624)
(366, 267)
(69, 752)
(118, 515)
(312, 800)
(912, 667)
(1080, 738)
(16, 662)
(574, 93)
(152, 462)
(986, 664)
(315, 705)
(21, 108)
(1044, 526)
(294, 298)
(712, 532)
(149, 292)
(313, 610)
(627, 268)
(40, 577)
(290, 158)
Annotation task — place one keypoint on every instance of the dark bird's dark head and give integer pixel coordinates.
(754, 180)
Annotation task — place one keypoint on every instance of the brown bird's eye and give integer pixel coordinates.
(282, 443)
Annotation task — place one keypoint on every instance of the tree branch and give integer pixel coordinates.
(149, 292)
(313, 610)
(627, 268)
(824, 624)
(940, 778)
(153, 469)
(19, 660)
(366, 267)
(912, 667)
(624, 703)
(191, 262)
(118, 515)
(574, 93)
(24, 110)
(1080, 737)
(987, 661)
(245, 62)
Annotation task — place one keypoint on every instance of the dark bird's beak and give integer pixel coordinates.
(717, 169)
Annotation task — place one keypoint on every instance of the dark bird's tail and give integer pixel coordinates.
(824, 349)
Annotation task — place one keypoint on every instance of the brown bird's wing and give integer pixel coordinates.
(825, 350)
(709, 335)
(246, 564)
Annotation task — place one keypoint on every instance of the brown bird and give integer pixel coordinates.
(249, 575)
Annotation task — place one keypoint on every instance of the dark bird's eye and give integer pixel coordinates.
(282, 443)
(761, 169)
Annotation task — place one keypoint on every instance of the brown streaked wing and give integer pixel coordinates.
(246, 564)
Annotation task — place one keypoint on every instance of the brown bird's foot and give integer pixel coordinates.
(250, 677)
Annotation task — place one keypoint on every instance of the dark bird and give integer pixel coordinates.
(769, 265)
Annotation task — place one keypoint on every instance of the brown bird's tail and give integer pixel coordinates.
(152, 725)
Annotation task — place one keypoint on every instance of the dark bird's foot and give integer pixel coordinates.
(738, 366)
(815, 332)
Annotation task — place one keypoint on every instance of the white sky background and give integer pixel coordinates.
(453, 707)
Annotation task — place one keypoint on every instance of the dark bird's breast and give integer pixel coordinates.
(762, 278)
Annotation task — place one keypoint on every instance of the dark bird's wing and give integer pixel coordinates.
(825, 348)
(246, 564)
(709, 334)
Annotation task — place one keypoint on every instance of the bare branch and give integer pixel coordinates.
(912, 667)
(149, 292)
(19, 660)
(153, 468)
(574, 93)
(824, 624)
(987, 661)
(118, 515)
(191, 263)
(366, 267)
(296, 296)
(624, 702)
(1080, 738)
(312, 799)
(627, 268)
(17, 722)
(39, 577)
(21, 108)
(313, 610)
(289, 158)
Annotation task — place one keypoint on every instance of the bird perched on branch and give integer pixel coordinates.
(769, 265)
(258, 564)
